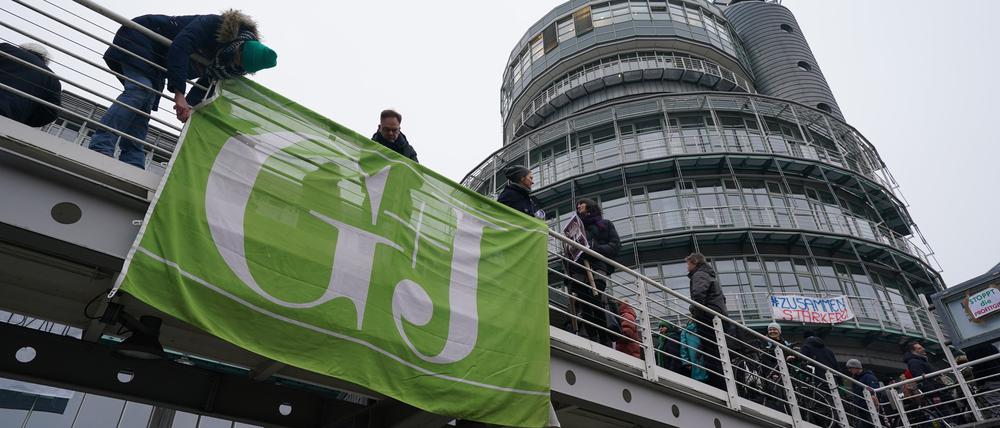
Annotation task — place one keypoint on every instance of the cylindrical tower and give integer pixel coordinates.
(783, 65)
(693, 139)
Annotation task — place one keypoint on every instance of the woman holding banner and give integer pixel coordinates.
(588, 273)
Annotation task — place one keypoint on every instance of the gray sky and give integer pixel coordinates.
(916, 77)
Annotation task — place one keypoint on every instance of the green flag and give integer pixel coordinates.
(293, 237)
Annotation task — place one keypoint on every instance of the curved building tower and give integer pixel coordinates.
(708, 127)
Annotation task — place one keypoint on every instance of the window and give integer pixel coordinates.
(713, 31)
(677, 11)
(564, 29)
(620, 11)
(804, 66)
(537, 49)
(658, 9)
(601, 14)
(582, 21)
(693, 15)
(787, 28)
(640, 10)
(825, 107)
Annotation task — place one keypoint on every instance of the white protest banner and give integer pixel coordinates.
(816, 310)
(575, 231)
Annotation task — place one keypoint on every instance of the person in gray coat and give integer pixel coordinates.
(705, 289)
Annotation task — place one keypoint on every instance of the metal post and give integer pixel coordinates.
(899, 407)
(647, 332)
(786, 379)
(872, 409)
(951, 359)
(727, 365)
(838, 404)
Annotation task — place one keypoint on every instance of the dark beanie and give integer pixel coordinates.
(516, 173)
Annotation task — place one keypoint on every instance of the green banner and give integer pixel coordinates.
(293, 237)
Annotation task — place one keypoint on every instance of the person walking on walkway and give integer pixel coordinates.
(705, 290)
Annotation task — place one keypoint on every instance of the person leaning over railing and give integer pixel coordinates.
(705, 290)
(30, 80)
(229, 41)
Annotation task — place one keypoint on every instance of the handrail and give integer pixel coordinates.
(618, 65)
(650, 282)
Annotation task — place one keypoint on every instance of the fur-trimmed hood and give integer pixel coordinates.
(233, 21)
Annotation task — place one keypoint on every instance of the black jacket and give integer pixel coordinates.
(30, 80)
(919, 366)
(705, 289)
(604, 240)
(201, 34)
(814, 348)
(518, 198)
(401, 145)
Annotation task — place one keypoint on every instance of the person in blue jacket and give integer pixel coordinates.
(229, 41)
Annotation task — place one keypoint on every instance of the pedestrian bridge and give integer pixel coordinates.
(72, 215)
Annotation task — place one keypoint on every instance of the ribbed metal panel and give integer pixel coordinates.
(774, 54)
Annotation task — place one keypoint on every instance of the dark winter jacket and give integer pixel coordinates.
(629, 330)
(670, 351)
(30, 80)
(519, 198)
(918, 366)
(814, 348)
(603, 239)
(401, 145)
(868, 379)
(705, 289)
(201, 34)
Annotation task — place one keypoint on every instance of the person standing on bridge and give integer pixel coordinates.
(389, 135)
(867, 378)
(229, 41)
(588, 284)
(517, 192)
(705, 290)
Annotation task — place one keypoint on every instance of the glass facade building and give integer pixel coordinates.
(709, 127)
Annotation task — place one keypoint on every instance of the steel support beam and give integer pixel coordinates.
(69, 363)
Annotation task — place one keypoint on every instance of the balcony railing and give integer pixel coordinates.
(751, 368)
(624, 65)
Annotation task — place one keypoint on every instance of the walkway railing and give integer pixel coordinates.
(76, 44)
(662, 61)
(748, 366)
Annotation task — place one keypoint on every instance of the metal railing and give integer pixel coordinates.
(749, 367)
(76, 40)
(663, 61)
(719, 217)
(714, 348)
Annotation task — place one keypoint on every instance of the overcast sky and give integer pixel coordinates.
(918, 78)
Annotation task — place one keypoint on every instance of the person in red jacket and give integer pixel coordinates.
(630, 330)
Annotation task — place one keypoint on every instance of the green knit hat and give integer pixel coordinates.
(257, 57)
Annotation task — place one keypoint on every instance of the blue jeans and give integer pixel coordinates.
(127, 121)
